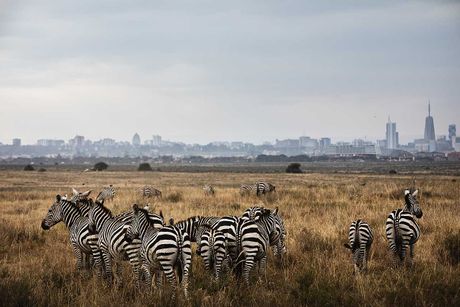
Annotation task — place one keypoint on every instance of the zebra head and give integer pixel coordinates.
(54, 214)
(142, 219)
(271, 187)
(412, 204)
(79, 196)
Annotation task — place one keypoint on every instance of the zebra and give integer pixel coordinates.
(208, 190)
(253, 213)
(401, 227)
(264, 188)
(107, 193)
(253, 239)
(111, 241)
(360, 239)
(246, 189)
(148, 191)
(165, 249)
(83, 242)
(213, 250)
(196, 225)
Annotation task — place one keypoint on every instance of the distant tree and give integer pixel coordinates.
(100, 166)
(294, 168)
(144, 167)
(392, 171)
(29, 167)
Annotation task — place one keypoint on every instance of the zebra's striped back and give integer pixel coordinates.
(401, 230)
(148, 191)
(213, 250)
(253, 213)
(107, 193)
(360, 239)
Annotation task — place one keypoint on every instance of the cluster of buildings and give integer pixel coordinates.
(79, 146)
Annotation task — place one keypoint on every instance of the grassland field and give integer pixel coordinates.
(37, 267)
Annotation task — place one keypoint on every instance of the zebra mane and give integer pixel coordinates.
(71, 203)
(193, 218)
(147, 216)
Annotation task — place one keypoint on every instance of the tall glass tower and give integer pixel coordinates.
(429, 126)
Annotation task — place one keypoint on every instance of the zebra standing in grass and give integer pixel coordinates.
(148, 191)
(196, 225)
(213, 250)
(360, 239)
(401, 227)
(246, 189)
(208, 190)
(263, 188)
(111, 239)
(164, 249)
(83, 242)
(253, 213)
(254, 237)
(107, 193)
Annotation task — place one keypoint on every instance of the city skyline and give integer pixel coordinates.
(251, 71)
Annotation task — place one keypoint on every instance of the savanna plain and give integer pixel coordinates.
(37, 267)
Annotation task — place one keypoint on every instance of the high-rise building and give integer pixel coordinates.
(136, 140)
(429, 126)
(156, 140)
(391, 135)
(452, 134)
(16, 142)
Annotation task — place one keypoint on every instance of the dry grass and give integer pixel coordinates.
(38, 268)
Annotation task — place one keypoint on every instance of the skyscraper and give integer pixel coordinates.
(136, 140)
(452, 134)
(391, 135)
(429, 126)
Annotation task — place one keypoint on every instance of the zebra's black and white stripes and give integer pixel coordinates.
(107, 193)
(208, 190)
(263, 188)
(402, 229)
(360, 239)
(246, 189)
(148, 191)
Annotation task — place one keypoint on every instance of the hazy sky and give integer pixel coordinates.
(200, 71)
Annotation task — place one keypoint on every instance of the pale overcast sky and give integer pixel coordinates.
(201, 71)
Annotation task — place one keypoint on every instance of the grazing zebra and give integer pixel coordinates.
(213, 250)
(246, 189)
(148, 191)
(164, 249)
(196, 225)
(254, 237)
(83, 242)
(107, 193)
(208, 190)
(111, 239)
(264, 188)
(401, 227)
(360, 237)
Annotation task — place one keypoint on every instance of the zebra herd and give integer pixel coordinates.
(100, 239)
(235, 244)
(401, 230)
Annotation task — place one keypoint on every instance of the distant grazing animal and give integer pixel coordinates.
(148, 191)
(246, 189)
(360, 240)
(162, 249)
(401, 226)
(208, 190)
(107, 193)
(264, 188)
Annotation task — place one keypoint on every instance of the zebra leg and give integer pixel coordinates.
(171, 277)
(263, 267)
(158, 279)
(411, 253)
(79, 255)
(134, 261)
(107, 273)
(248, 265)
(144, 275)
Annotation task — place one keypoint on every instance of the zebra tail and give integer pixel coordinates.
(180, 257)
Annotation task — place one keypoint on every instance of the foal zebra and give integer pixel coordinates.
(165, 249)
(208, 190)
(360, 237)
(83, 242)
(107, 193)
(264, 188)
(401, 227)
(111, 240)
(148, 191)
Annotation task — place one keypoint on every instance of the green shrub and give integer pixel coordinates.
(294, 168)
(29, 167)
(144, 167)
(100, 166)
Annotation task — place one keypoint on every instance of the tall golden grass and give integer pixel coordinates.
(38, 267)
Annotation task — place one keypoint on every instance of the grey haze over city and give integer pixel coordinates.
(202, 71)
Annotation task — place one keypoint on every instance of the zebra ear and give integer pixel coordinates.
(86, 194)
(347, 245)
(171, 221)
(161, 214)
(415, 193)
(75, 192)
(135, 208)
(58, 198)
(276, 211)
(406, 192)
